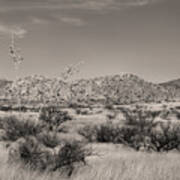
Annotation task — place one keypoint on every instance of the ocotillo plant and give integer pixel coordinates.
(70, 70)
(15, 53)
(67, 75)
(17, 59)
(55, 90)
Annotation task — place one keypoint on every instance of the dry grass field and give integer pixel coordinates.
(109, 162)
(119, 163)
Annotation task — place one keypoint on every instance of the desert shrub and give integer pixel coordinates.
(1, 123)
(89, 133)
(141, 133)
(139, 116)
(107, 133)
(178, 115)
(138, 127)
(2, 135)
(52, 117)
(109, 106)
(78, 111)
(135, 133)
(70, 155)
(167, 138)
(146, 136)
(20, 108)
(6, 108)
(165, 114)
(49, 139)
(82, 112)
(74, 105)
(31, 155)
(16, 128)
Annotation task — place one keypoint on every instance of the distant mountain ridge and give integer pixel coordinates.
(173, 86)
(115, 89)
(174, 83)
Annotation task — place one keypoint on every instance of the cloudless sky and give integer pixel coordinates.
(111, 37)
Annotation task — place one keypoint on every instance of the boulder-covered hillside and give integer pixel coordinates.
(116, 89)
(3, 84)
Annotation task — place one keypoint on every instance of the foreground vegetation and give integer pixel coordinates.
(108, 148)
(124, 165)
(36, 145)
(140, 131)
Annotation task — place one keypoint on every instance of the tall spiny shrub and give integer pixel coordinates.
(53, 118)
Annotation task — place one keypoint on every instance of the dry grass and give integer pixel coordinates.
(113, 163)
(118, 164)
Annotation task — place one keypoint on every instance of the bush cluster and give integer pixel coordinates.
(168, 138)
(6, 108)
(70, 155)
(16, 128)
(108, 133)
(31, 154)
(36, 144)
(53, 117)
(49, 139)
(81, 111)
(140, 132)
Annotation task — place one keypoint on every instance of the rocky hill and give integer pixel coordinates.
(3, 84)
(117, 89)
(122, 89)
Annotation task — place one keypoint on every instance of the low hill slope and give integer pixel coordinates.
(117, 89)
(173, 87)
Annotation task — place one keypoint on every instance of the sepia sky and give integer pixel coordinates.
(111, 37)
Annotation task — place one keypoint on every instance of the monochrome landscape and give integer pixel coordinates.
(89, 90)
